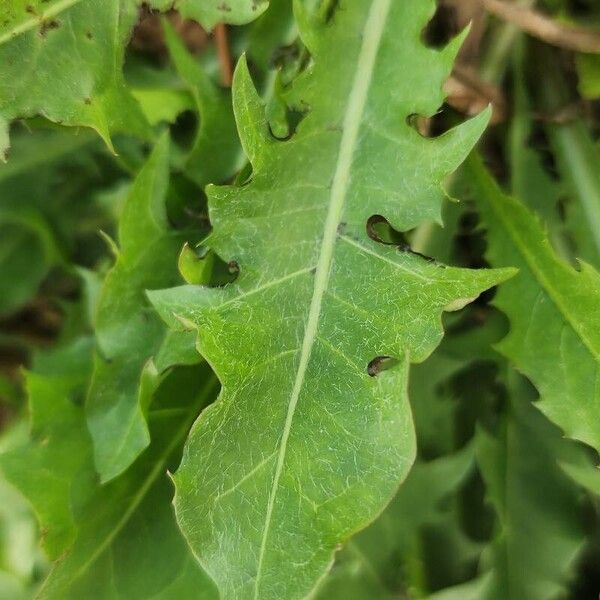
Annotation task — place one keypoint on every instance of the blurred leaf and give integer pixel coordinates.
(20, 560)
(577, 158)
(28, 250)
(50, 213)
(128, 333)
(530, 180)
(128, 544)
(588, 70)
(215, 153)
(162, 104)
(45, 469)
(120, 539)
(540, 528)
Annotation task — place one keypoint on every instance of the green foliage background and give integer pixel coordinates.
(251, 346)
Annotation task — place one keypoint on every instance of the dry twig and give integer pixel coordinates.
(544, 28)
(224, 54)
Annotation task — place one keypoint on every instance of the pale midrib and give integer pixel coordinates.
(372, 34)
(156, 471)
(35, 20)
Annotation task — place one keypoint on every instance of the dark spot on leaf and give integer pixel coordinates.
(341, 228)
(47, 26)
(330, 8)
(88, 35)
(381, 363)
(30, 9)
(284, 55)
(407, 248)
(224, 7)
(77, 397)
(233, 267)
(313, 270)
(87, 101)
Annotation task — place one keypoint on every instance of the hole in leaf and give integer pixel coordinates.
(379, 230)
(381, 363)
(222, 273)
(442, 121)
(283, 125)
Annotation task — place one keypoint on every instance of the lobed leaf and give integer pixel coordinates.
(309, 440)
(554, 336)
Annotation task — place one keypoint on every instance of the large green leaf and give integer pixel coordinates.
(309, 441)
(554, 334)
(63, 59)
(128, 332)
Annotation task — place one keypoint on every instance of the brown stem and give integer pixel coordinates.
(224, 54)
(544, 28)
